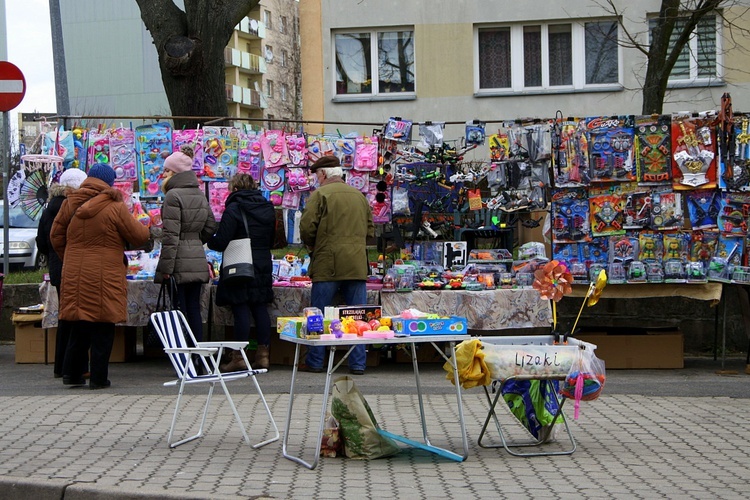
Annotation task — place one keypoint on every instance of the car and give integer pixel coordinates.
(21, 240)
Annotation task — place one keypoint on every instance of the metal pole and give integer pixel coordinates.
(6, 177)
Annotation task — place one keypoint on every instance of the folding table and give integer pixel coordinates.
(528, 357)
(411, 341)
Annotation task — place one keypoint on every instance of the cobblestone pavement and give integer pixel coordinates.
(636, 441)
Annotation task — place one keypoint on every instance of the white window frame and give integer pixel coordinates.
(284, 55)
(578, 60)
(268, 19)
(375, 94)
(694, 80)
(269, 89)
(284, 87)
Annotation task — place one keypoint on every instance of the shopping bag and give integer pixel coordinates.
(585, 380)
(357, 425)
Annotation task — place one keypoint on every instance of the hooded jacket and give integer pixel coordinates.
(261, 224)
(335, 224)
(188, 222)
(43, 245)
(91, 232)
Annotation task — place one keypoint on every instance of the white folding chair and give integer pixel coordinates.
(175, 335)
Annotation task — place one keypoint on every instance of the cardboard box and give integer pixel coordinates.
(651, 349)
(292, 326)
(455, 325)
(30, 343)
(364, 312)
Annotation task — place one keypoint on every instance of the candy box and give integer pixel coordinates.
(296, 326)
(364, 312)
(454, 325)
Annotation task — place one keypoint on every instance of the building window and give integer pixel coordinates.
(284, 55)
(284, 89)
(269, 54)
(267, 19)
(283, 27)
(700, 58)
(269, 89)
(374, 63)
(548, 56)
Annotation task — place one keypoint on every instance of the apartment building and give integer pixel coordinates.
(500, 60)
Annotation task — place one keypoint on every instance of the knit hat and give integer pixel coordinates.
(178, 162)
(325, 162)
(72, 178)
(103, 172)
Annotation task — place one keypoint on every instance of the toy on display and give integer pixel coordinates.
(153, 145)
(693, 143)
(194, 139)
(122, 154)
(220, 146)
(653, 149)
(610, 143)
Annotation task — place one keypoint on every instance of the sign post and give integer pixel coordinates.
(12, 90)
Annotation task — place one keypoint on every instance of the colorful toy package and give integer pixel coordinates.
(398, 130)
(666, 210)
(296, 146)
(693, 158)
(366, 158)
(624, 249)
(194, 139)
(606, 213)
(610, 141)
(735, 164)
(154, 144)
(703, 246)
(344, 150)
(218, 192)
(650, 247)
(249, 158)
(220, 146)
(571, 156)
(97, 147)
(570, 215)
(653, 148)
(734, 213)
(122, 154)
(703, 208)
(274, 146)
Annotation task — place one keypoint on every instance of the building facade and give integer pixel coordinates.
(497, 60)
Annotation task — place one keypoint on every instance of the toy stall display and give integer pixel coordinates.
(648, 197)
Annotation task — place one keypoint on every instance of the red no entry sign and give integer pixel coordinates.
(12, 86)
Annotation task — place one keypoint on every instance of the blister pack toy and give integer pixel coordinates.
(318, 147)
(398, 130)
(431, 134)
(703, 208)
(379, 197)
(734, 213)
(153, 210)
(291, 199)
(272, 178)
(249, 157)
(344, 150)
(610, 142)
(218, 192)
(676, 246)
(80, 136)
(666, 210)
(595, 251)
(606, 214)
(570, 149)
(570, 215)
(623, 249)
(475, 132)
(703, 246)
(122, 154)
(650, 246)
(97, 147)
(653, 147)
(296, 145)
(499, 146)
(358, 180)
(693, 157)
(273, 143)
(194, 139)
(220, 151)
(637, 211)
(734, 147)
(567, 253)
(138, 211)
(298, 179)
(126, 188)
(366, 157)
(154, 144)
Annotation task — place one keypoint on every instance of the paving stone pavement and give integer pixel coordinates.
(636, 441)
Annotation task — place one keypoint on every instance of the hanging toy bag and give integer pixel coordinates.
(585, 380)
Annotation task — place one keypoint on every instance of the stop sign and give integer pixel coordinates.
(12, 86)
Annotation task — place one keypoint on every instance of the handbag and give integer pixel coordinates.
(237, 259)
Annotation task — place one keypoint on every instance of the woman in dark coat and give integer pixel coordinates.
(250, 297)
(71, 179)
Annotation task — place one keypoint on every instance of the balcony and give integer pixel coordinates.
(250, 63)
(252, 28)
(246, 97)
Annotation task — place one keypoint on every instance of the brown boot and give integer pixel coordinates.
(235, 364)
(262, 357)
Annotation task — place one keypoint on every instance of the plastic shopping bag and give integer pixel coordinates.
(330, 445)
(585, 380)
(358, 427)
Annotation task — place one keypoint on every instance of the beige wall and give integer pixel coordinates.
(443, 60)
(313, 70)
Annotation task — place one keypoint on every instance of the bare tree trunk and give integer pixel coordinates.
(190, 46)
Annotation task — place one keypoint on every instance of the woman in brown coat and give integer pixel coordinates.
(91, 232)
